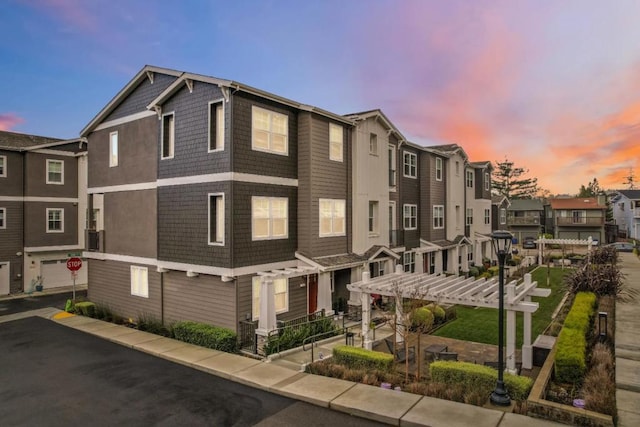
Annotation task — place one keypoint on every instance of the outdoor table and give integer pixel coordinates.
(434, 350)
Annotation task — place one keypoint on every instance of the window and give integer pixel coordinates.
(269, 131)
(438, 169)
(332, 217)
(410, 165)
(3, 166)
(216, 219)
(168, 135)
(373, 217)
(376, 268)
(281, 287)
(409, 262)
(487, 216)
(487, 183)
(216, 126)
(457, 168)
(55, 171)
(55, 220)
(113, 149)
(410, 216)
(270, 218)
(140, 281)
(392, 166)
(438, 216)
(3, 217)
(470, 179)
(621, 206)
(579, 217)
(503, 216)
(432, 262)
(469, 217)
(336, 137)
(373, 144)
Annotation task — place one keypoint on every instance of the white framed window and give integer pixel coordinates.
(469, 220)
(281, 300)
(336, 142)
(216, 219)
(270, 218)
(373, 144)
(410, 216)
(487, 182)
(140, 281)
(3, 218)
(55, 172)
(3, 166)
(113, 149)
(409, 262)
(438, 169)
(487, 216)
(376, 268)
(216, 125)
(269, 131)
(55, 220)
(392, 166)
(503, 216)
(373, 217)
(168, 135)
(579, 217)
(438, 216)
(410, 164)
(470, 179)
(331, 217)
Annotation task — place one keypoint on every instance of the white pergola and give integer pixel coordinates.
(563, 242)
(454, 290)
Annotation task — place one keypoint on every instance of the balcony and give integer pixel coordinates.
(580, 222)
(523, 221)
(94, 240)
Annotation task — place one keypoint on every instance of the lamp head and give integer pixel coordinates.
(501, 241)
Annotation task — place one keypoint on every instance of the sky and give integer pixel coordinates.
(553, 86)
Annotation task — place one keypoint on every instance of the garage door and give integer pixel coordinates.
(55, 274)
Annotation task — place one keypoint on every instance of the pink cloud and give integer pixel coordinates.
(9, 120)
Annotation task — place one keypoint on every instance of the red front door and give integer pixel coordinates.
(313, 293)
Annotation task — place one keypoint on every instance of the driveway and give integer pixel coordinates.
(51, 375)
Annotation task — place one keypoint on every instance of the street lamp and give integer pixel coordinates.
(501, 241)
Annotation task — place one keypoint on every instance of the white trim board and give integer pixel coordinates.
(38, 199)
(53, 248)
(126, 119)
(123, 187)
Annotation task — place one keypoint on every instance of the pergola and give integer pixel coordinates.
(575, 242)
(454, 290)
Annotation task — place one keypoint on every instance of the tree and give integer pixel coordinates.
(511, 181)
(629, 180)
(592, 189)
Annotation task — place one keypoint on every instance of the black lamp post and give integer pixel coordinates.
(501, 244)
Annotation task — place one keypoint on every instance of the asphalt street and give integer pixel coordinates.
(51, 375)
(19, 305)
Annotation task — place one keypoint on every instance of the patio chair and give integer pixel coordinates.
(448, 355)
(400, 354)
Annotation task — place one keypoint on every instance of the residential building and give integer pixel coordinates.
(578, 218)
(626, 213)
(42, 210)
(525, 218)
(499, 206)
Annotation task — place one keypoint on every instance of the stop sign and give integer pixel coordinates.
(74, 264)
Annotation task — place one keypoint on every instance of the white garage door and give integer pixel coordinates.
(55, 274)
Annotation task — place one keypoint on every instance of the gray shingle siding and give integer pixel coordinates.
(11, 243)
(142, 96)
(410, 195)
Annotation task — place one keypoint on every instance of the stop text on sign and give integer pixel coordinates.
(74, 264)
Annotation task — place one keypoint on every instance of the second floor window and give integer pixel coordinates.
(216, 126)
(373, 144)
(113, 149)
(373, 217)
(579, 217)
(270, 218)
(438, 169)
(269, 131)
(487, 216)
(336, 136)
(470, 179)
(410, 216)
(410, 165)
(487, 182)
(168, 135)
(409, 262)
(392, 166)
(469, 217)
(216, 219)
(55, 171)
(503, 216)
(438, 216)
(3, 218)
(3, 166)
(332, 217)
(55, 220)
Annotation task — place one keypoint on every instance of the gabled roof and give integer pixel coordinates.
(449, 150)
(630, 194)
(526, 205)
(13, 141)
(378, 115)
(379, 251)
(498, 199)
(481, 165)
(576, 203)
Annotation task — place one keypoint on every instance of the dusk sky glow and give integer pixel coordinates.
(554, 86)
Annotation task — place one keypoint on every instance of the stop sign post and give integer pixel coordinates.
(74, 264)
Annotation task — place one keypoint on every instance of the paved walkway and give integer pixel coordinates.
(628, 348)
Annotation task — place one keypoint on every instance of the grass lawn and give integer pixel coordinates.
(481, 324)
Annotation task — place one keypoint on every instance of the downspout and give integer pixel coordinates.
(162, 298)
(24, 232)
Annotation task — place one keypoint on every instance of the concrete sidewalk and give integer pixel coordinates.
(628, 347)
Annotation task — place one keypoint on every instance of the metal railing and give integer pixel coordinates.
(93, 240)
(248, 341)
(523, 221)
(581, 221)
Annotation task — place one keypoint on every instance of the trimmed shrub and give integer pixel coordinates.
(149, 323)
(493, 270)
(474, 272)
(206, 336)
(475, 377)
(571, 353)
(86, 308)
(294, 335)
(422, 318)
(360, 358)
(439, 314)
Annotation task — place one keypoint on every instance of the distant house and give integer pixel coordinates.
(525, 218)
(626, 212)
(42, 210)
(578, 218)
(499, 206)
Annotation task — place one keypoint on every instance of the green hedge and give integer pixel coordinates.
(571, 348)
(438, 312)
(360, 358)
(422, 317)
(86, 308)
(473, 376)
(206, 336)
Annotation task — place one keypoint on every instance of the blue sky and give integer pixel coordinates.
(553, 86)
